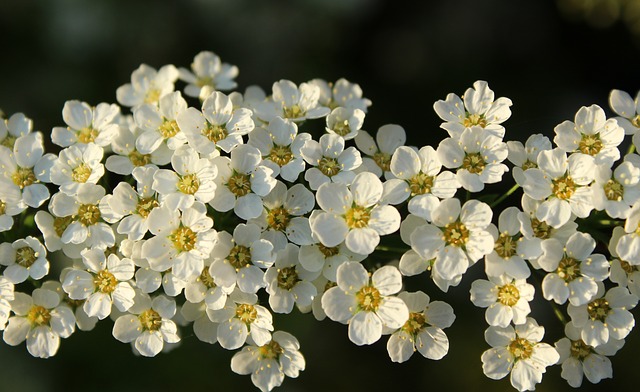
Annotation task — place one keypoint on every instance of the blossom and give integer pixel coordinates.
(10, 205)
(41, 320)
(317, 257)
(423, 331)
(12, 128)
(209, 73)
(127, 157)
(159, 124)
(525, 157)
(615, 191)
(297, 103)
(86, 124)
(77, 164)
(379, 151)
(330, 160)
(24, 258)
(204, 289)
(345, 122)
(622, 272)
(508, 252)
(366, 302)
(627, 109)
(204, 329)
(269, 363)
(518, 351)
(6, 296)
(506, 299)
(147, 85)
(352, 214)
(342, 93)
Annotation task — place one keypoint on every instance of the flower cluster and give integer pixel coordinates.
(215, 209)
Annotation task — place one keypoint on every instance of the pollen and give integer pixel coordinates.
(9, 142)
(188, 184)
(281, 155)
(206, 279)
(580, 350)
(150, 320)
(529, 165)
(246, 313)
(614, 190)
(214, 133)
(239, 257)
(87, 135)
(152, 95)
(590, 144)
(38, 315)
(508, 295)
(271, 350)
(328, 251)
(420, 184)
(520, 348)
(23, 177)
(287, 278)
(456, 234)
(3, 207)
(342, 128)
(105, 282)
(139, 159)
(329, 166)
(563, 187)
(568, 269)
(169, 128)
(474, 119)
(473, 162)
(368, 299)
(598, 309)
(541, 229)
(239, 184)
(26, 256)
(81, 173)
(278, 218)
(293, 112)
(88, 214)
(358, 217)
(145, 205)
(415, 323)
(60, 224)
(383, 160)
(183, 239)
(505, 246)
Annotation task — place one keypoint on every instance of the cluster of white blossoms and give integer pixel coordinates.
(213, 210)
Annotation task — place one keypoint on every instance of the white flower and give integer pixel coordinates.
(240, 319)
(330, 160)
(127, 157)
(12, 128)
(317, 257)
(103, 284)
(606, 317)
(204, 329)
(192, 179)
(204, 289)
(23, 170)
(345, 122)
(480, 108)
(149, 324)
(41, 320)
(456, 239)
(352, 214)
(342, 93)
(477, 154)
(508, 252)
(525, 157)
(379, 151)
(280, 145)
(366, 302)
(241, 181)
(561, 185)
(52, 229)
(270, 362)
(147, 85)
(579, 359)
(77, 164)
(10, 205)
(616, 191)
(238, 259)
(6, 296)
(572, 269)
(423, 331)
(506, 299)
(282, 218)
(419, 177)
(181, 240)
(24, 258)
(628, 247)
(208, 71)
(293, 102)
(519, 352)
(622, 272)
(411, 264)
(86, 124)
(288, 283)
(83, 321)
(591, 134)
(627, 108)
(218, 125)
(158, 124)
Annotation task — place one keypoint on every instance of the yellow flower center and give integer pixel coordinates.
(188, 184)
(474, 119)
(293, 112)
(204, 81)
(628, 268)
(598, 309)
(81, 173)
(23, 177)
(329, 166)
(152, 95)
(145, 205)
(328, 251)
(150, 320)
(568, 269)
(183, 239)
(287, 278)
(246, 313)
(420, 184)
(239, 184)
(206, 278)
(580, 350)
(540, 229)
(215, 133)
(456, 234)
(415, 323)
(3, 207)
(239, 257)
(139, 159)
(60, 224)
(342, 128)
(26, 256)
(89, 214)
(590, 144)
(87, 135)
(614, 190)
(358, 217)
(520, 348)
(529, 165)
(271, 350)
(281, 155)
(508, 295)
(368, 299)
(505, 246)
(383, 160)
(169, 128)
(278, 218)
(563, 187)
(9, 142)
(38, 316)
(105, 282)
(636, 121)
(473, 162)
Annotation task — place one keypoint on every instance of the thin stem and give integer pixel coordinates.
(391, 249)
(503, 197)
(558, 312)
(631, 149)
(610, 222)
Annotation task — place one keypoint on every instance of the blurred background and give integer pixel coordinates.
(550, 57)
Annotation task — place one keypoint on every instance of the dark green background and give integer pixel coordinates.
(404, 54)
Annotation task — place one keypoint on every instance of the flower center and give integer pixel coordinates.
(414, 324)
(9, 142)
(3, 207)
(628, 268)
(281, 155)
(328, 251)
(87, 135)
(206, 279)
(329, 166)
(636, 121)
(215, 133)
(508, 295)
(150, 320)
(81, 173)
(598, 309)
(23, 177)
(456, 234)
(204, 81)
(342, 128)
(590, 144)
(139, 159)
(568, 269)
(287, 278)
(145, 205)
(89, 214)
(529, 165)
(520, 348)
(278, 218)
(239, 257)
(38, 316)
(540, 229)
(614, 190)
(420, 184)
(152, 95)
(563, 187)
(580, 350)
(246, 313)
(505, 246)
(329, 285)
(239, 184)
(184, 239)
(271, 350)
(293, 112)
(383, 160)
(473, 162)
(357, 217)
(368, 298)
(474, 119)
(60, 224)
(26, 256)
(188, 184)
(169, 128)
(105, 282)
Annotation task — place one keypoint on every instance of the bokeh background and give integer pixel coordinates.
(550, 57)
